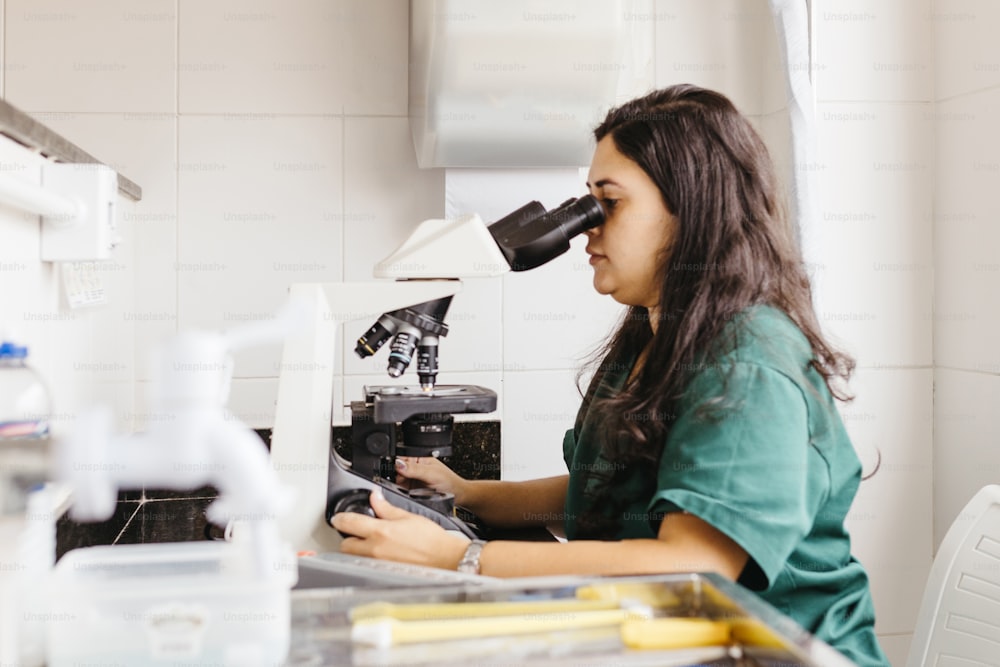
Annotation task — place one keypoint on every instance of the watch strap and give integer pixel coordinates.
(470, 559)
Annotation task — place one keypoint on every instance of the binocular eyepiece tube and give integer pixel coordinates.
(530, 236)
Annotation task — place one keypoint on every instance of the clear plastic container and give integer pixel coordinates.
(176, 604)
(25, 406)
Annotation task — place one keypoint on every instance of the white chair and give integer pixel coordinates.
(959, 620)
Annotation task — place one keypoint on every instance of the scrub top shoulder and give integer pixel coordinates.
(758, 450)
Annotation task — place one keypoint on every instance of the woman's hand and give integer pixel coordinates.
(430, 472)
(399, 535)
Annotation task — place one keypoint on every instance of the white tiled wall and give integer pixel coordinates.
(875, 185)
(272, 145)
(966, 259)
(873, 84)
(873, 50)
(109, 56)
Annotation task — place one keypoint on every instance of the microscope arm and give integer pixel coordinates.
(300, 441)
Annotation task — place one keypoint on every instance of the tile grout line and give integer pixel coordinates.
(128, 523)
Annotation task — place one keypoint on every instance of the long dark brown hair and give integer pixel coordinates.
(733, 248)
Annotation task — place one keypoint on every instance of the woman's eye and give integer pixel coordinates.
(609, 203)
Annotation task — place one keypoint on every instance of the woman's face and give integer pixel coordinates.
(626, 250)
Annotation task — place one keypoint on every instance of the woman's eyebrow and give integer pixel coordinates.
(603, 182)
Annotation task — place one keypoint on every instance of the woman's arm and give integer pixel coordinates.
(501, 504)
(535, 502)
(685, 543)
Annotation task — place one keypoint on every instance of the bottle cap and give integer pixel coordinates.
(10, 350)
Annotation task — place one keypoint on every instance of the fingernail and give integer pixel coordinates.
(378, 493)
(401, 464)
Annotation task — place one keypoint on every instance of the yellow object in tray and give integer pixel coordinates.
(440, 610)
(657, 597)
(671, 633)
(384, 631)
(629, 605)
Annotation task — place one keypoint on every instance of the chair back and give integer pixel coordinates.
(958, 624)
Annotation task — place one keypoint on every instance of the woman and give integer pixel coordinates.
(708, 439)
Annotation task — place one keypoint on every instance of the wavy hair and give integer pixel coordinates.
(733, 248)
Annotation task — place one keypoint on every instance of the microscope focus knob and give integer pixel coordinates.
(355, 500)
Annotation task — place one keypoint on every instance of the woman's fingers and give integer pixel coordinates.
(384, 509)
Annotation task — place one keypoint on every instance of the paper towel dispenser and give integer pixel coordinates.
(522, 83)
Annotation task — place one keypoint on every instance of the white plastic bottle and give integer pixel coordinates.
(24, 399)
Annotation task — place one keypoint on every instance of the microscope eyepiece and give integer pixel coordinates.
(575, 216)
(530, 237)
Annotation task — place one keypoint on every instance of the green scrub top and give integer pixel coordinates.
(774, 470)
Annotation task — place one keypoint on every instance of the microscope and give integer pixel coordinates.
(409, 312)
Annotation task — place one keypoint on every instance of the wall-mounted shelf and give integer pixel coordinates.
(22, 128)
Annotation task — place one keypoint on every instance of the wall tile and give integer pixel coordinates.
(70, 336)
(773, 78)
(72, 535)
(495, 193)
(382, 161)
(966, 430)
(717, 44)
(118, 396)
(252, 401)
(874, 176)
(385, 194)
(869, 50)
(966, 54)
(110, 55)
(967, 262)
(375, 56)
(552, 316)
(260, 203)
(881, 316)
(775, 129)
(539, 407)
(238, 56)
(890, 419)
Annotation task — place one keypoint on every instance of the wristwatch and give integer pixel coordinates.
(470, 561)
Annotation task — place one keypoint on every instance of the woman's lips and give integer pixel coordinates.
(594, 259)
